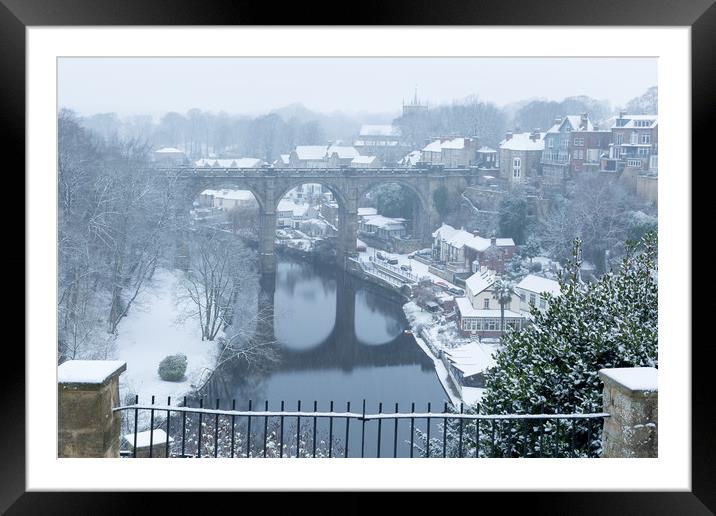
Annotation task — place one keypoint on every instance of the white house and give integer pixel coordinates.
(227, 199)
(341, 155)
(366, 162)
(480, 313)
(465, 250)
(290, 213)
(169, 156)
(531, 291)
(308, 156)
(382, 227)
(451, 152)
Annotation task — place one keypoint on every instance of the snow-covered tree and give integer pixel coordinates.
(646, 104)
(552, 366)
(219, 266)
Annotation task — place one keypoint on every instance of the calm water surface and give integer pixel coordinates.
(340, 340)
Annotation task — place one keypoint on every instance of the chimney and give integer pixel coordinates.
(584, 120)
(476, 232)
(535, 135)
(622, 113)
(508, 135)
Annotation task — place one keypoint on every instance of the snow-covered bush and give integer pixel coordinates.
(536, 267)
(552, 365)
(173, 367)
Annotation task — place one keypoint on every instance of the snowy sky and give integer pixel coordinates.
(253, 86)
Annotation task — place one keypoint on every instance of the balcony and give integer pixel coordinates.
(555, 158)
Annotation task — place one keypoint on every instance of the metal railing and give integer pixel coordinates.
(456, 431)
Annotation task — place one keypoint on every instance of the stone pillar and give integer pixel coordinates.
(155, 440)
(267, 241)
(88, 390)
(631, 398)
(347, 227)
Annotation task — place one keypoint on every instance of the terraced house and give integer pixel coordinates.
(572, 145)
(635, 142)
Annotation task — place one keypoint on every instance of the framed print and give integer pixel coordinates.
(413, 252)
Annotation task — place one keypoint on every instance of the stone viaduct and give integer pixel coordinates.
(348, 186)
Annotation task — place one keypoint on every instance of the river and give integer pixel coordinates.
(339, 340)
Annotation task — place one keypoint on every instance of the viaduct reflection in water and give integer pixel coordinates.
(339, 338)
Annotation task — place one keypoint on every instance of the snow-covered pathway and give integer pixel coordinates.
(150, 332)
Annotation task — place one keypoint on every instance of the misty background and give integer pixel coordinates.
(262, 107)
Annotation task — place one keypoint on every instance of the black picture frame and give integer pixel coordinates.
(700, 15)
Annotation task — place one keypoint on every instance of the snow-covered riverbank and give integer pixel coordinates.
(151, 331)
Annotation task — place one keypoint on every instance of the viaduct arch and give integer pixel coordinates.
(269, 185)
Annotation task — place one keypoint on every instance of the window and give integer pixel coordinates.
(486, 304)
(550, 143)
(645, 138)
(643, 151)
(516, 167)
(579, 142)
(633, 163)
(578, 154)
(634, 138)
(654, 162)
(542, 303)
(618, 138)
(533, 299)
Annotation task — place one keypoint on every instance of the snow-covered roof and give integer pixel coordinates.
(480, 281)
(434, 146)
(89, 371)
(485, 149)
(455, 143)
(445, 231)
(367, 211)
(363, 160)
(459, 238)
(538, 285)
(343, 151)
(229, 163)
(522, 142)
(238, 195)
(575, 121)
(311, 152)
(285, 158)
(145, 438)
(654, 119)
(467, 310)
(384, 222)
(439, 144)
(169, 150)
(412, 158)
(379, 130)
(297, 209)
(472, 358)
